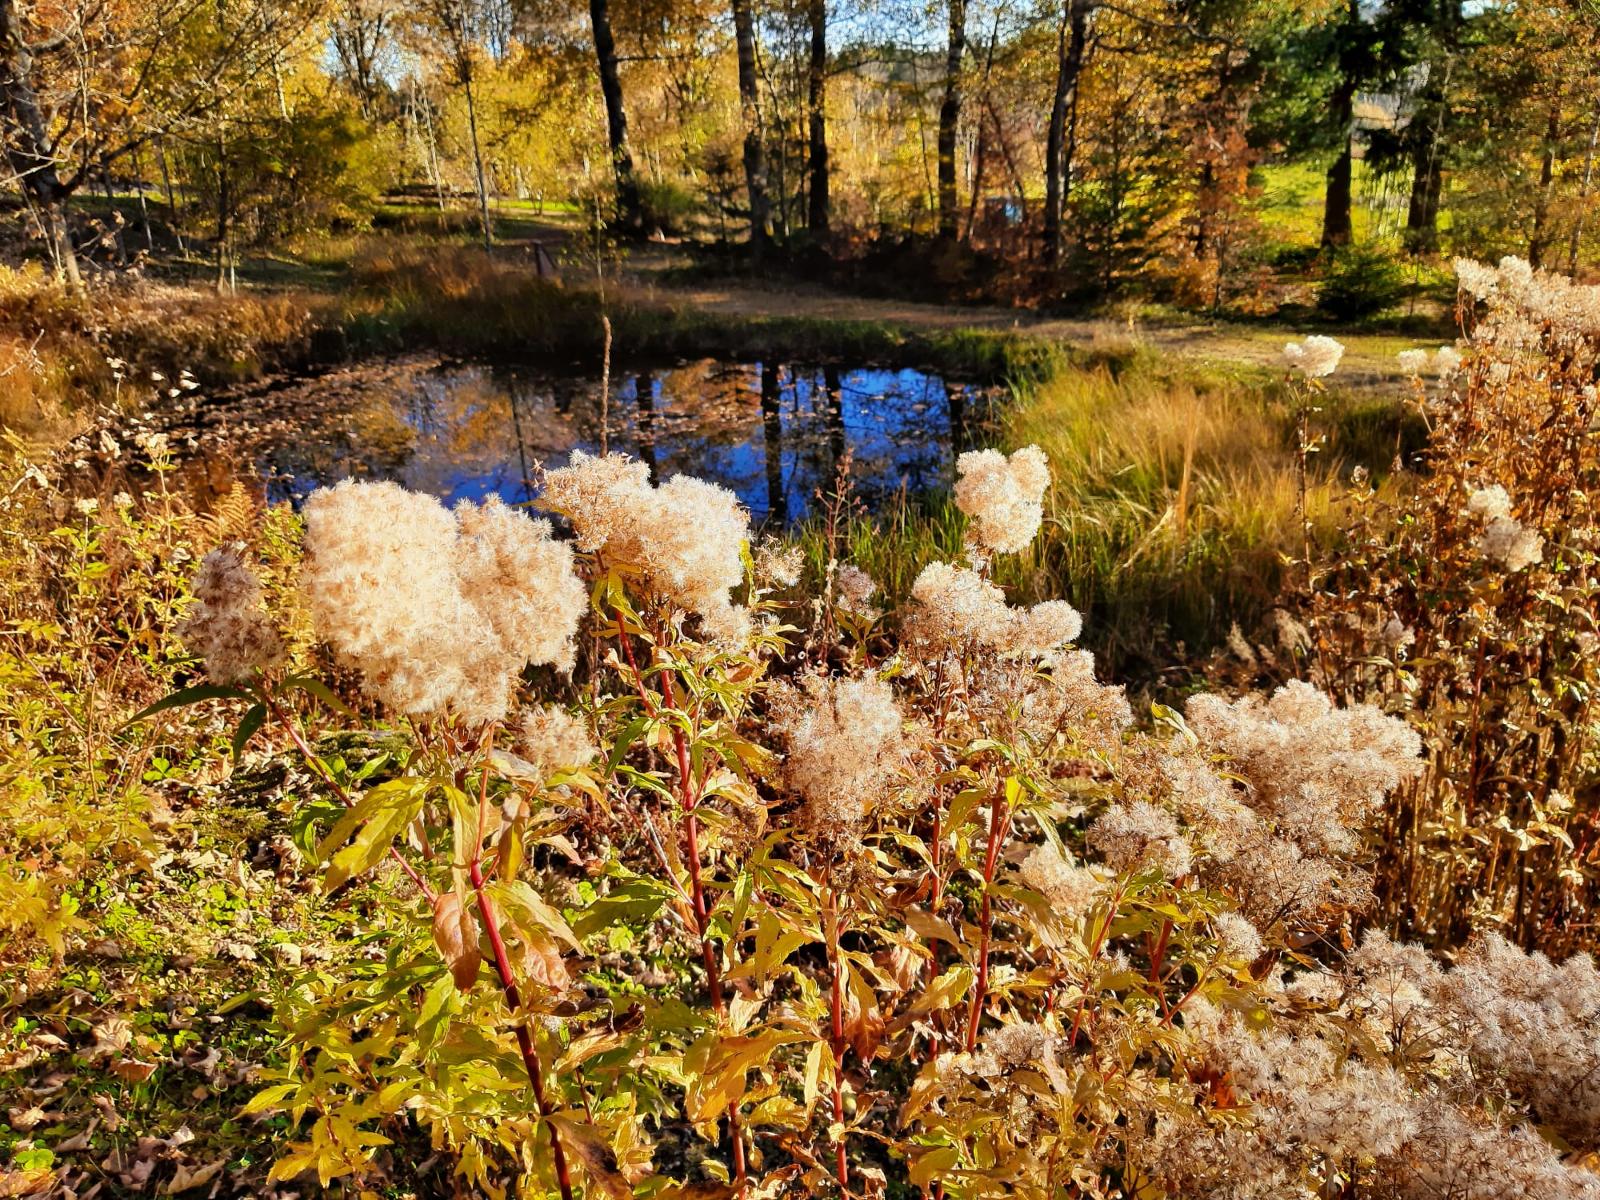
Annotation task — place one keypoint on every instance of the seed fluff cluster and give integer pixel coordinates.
(551, 739)
(1276, 832)
(1504, 539)
(439, 611)
(228, 627)
(845, 739)
(1003, 496)
(955, 607)
(1316, 357)
(685, 537)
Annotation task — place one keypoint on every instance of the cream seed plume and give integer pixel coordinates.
(1003, 497)
(1141, 836)
(1069, 890)
(438, 611)
(844, 737)
(1315, 358)
(1504, 539)
(853, 590)
(228, 627)
(957, 607)
(686, 537)
(552, 739)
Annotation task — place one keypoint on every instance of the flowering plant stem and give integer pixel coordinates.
(513, 997)
(689, 797)
(999, 823)
(830, 920)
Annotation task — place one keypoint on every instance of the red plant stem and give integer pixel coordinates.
(530, 1056)
(841, 1168)
(321, 769)
(1156, 956)
(998, 823)
(1094, 953)
(702, 913)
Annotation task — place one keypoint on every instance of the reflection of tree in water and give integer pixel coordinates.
(772, 443)
(773, 432)
(644, 388)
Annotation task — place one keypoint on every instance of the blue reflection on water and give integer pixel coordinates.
(774, 433)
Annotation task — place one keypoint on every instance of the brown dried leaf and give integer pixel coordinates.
(455, 933)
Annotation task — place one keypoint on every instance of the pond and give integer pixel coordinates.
(773, 432)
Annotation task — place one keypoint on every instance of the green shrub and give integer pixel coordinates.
(1360, 281)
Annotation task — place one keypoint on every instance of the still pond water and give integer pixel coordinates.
(772, 432)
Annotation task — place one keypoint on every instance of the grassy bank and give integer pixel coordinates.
(1174, 508)
(460, 301)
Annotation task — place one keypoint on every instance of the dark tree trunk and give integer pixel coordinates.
(1547, 173)
(630, 212)
(1427, 184)
(223, 200)
(755, 156)
(820, 208)
(950, 118)
(477, 155)
(32, 158)
(1070, 44)
(1428, 129)
(1336, 223)
(1575, 238)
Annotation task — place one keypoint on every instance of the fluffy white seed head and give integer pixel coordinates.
(1316, 357)
(438, 611)
(227, 626)
(845, 741)
(1141, 836)
(955, 607)
(686, 537)
(1070, 890)
(1490, 502)
(853, 590)
(1003, 496)
(552, 739)
(1507, 541)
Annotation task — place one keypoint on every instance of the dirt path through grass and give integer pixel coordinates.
(1369, 358)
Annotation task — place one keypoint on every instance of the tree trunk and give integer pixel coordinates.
(1547, 174)
(1427, 184)
(820, 208)
(1427, 149)
(223, 200)
(772, 444)
(1576, 238)
(1070, 44)
(755, 158)
(630, 211)
(950, 117)
(32, 158)
(1336, 222)
(477, 159)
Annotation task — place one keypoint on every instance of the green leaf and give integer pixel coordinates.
(248, 727)
(528, 908)
(374, 839)
(638, 900)
(195, 694)
(308, 683)
(272, 1097)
